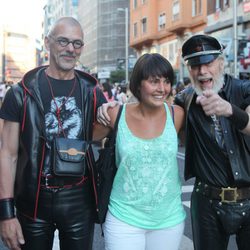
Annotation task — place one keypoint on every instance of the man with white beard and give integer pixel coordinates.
(217, 110)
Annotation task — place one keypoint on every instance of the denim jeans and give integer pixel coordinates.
(213, 222)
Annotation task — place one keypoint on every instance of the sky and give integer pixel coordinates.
(23, 15)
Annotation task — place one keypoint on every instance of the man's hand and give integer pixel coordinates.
(102, 112)
(11, 234)
(213, 104)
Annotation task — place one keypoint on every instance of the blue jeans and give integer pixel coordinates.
(213, 222)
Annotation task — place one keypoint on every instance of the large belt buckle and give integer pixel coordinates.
(228, 190)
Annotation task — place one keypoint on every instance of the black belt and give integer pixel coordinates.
(229, 194)
(50, 181)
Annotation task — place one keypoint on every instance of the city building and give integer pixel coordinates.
(19, 52)
(220, 20)
(104, 25)
(162, 26)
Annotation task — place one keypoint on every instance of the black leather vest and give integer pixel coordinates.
(32, 135)
(204, 159)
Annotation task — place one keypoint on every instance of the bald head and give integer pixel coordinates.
(64, 21)
(65, 44)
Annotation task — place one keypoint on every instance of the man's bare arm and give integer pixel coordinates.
(10, 229)
(8, 158)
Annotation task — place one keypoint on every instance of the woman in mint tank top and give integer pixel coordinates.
(145, 211)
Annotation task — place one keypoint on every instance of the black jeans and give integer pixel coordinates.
(213, 222)
(71, 211)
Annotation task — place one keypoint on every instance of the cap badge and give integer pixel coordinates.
(198, 48)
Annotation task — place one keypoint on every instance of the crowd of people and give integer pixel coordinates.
(3, 89)
(116, 91)
(47, 166)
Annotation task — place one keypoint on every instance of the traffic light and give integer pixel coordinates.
(46, 57)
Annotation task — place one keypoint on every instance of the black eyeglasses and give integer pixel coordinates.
(63, 41)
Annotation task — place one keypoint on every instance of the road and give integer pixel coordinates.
(186, 243)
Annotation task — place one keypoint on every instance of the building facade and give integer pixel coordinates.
(19, 53)
(220, 22)
(162, 26)
(104, 28)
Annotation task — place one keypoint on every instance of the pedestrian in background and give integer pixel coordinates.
(107, 91)
(2, 92)
(50, 103)
(121, 95)
(186, 81)
(179, 87)
(217, 154)
(145, 208)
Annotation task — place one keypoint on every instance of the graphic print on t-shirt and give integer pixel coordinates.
(70, 118)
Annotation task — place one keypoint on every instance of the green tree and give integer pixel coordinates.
(117, 76)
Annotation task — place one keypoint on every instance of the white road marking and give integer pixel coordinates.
(187, 188)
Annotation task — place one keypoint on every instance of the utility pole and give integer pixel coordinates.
(126, 42)
(235, 37)
(3, 57)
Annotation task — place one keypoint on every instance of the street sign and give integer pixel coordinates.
(103, 75)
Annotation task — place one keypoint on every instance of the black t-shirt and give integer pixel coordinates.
(64, 95)
(68, 101)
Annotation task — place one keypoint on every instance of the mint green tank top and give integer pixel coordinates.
(146, 191)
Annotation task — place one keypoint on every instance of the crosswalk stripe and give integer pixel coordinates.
(187, 188)
(180, 156)
(186, 243)
(186, 203)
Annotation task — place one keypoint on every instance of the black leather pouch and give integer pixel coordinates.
(69, 157)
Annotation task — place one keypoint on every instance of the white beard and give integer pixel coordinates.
(218, 83)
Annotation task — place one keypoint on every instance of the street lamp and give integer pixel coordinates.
(126, 42)
(235, 37)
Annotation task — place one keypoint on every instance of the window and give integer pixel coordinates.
(196, 7)
(135, 30)
(171, 52)
(221, 4)
(225, 3)
(176, 10)
(162, 21)
(135, 4)
(144, 25)
(217, 5)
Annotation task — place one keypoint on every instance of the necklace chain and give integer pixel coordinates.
(58, 109)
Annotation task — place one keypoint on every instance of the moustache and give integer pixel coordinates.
(68, 55)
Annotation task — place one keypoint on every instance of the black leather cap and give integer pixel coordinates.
(201, 49)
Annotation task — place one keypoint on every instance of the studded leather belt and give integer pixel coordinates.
(227, 195)
(50, 181)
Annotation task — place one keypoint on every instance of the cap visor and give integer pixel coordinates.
(202, 59)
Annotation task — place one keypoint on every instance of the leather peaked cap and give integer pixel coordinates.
(201, 49)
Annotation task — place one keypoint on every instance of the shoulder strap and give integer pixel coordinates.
(172, 108)
(114, 132)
